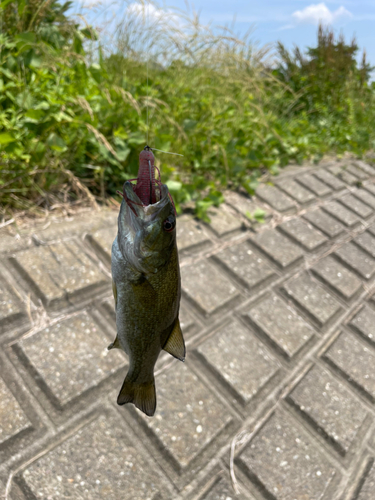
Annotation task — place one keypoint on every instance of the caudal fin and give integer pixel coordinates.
(143, 396)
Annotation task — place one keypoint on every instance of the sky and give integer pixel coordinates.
(289, 21)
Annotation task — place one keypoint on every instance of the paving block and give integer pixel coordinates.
(296, 191)
(102, 241)
(236, 357)
(351, 202)
(188, 417)
(343, 174)
(355, 362)
(315, 185)
(248, 267)
(368, 486)
(367, 242)
(207, 287)
(245, 205)
(2, 489)
(329, 179)
(329, 407)
(303, 233)
(335, 275)
(365, 197)
(223, 490)
(275, 198)
(69, 357)
(325, 223)
(287, 331)
(98, 461)
(341, 213)
(223, 221)
(191, 235)
(370, 187)
(358, 260)
(357, 172)
(311, 298)
(186, 319)
(59, 273)
(11, 308)
(12, 418)
(365, 167)
(371, 229)
(364, 323)
(283, 459)
(278, 248)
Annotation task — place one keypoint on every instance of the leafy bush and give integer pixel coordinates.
(73, 108)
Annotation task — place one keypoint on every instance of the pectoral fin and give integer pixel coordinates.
(175, 344)
(114, 345)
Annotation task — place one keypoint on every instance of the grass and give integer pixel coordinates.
(74, 100)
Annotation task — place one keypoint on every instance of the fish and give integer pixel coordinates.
(146, 284)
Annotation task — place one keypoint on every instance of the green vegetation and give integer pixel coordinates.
(73, 106)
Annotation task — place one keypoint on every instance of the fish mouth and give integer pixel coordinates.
(138, 210)
(147, 196)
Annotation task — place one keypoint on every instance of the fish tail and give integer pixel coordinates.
(143, 396)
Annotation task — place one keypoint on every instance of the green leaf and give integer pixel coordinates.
(90, 33)
(122, 149)
(25, 39)
(34, 115)
(259, 215)
(201, 208)
(137, 138)
(61, 116)
(7, 73)
(189, 125)
(35, 61)
(4, 3)
(42, 105)
(56, 143)
(6, 138)
(173, 186)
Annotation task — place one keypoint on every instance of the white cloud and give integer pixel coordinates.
(151, 14)
(316, 13)
(286, 27)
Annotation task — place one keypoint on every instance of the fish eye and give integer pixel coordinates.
(169, 224)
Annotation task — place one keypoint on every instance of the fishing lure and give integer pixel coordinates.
(146, 283)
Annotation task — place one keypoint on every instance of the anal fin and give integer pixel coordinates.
(175, 344)
(115, 344)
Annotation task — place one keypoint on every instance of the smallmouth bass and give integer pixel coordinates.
(146, 284)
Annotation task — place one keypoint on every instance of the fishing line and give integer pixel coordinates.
(147, 7)
(148, 57)
(166, 152)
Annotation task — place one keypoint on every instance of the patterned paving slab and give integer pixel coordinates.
(276, 398)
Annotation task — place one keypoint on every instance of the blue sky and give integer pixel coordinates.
(290, 21)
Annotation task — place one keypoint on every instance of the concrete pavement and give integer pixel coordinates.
(276, 398)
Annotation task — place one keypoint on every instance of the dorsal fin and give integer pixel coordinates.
(175, 344)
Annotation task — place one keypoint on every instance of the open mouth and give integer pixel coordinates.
(147, 187)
